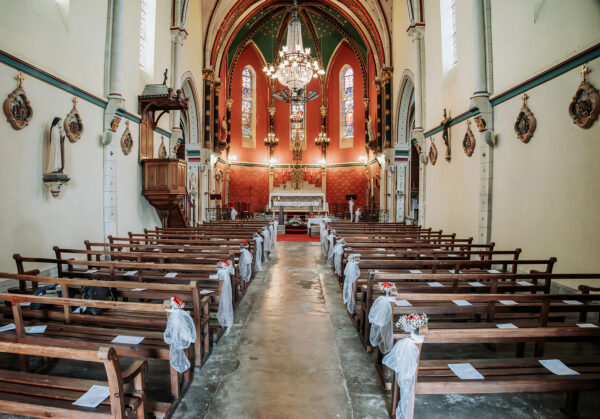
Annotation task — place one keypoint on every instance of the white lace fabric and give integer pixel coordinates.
(403, 360)
(245, 265)
(351, 274)
(380, 317)
(258, 261)
(225, 313)
(179, 334)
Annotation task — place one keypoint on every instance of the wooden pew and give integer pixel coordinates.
(91, 334)
(43, 396)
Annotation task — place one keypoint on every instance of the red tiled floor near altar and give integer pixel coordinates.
(298, 238)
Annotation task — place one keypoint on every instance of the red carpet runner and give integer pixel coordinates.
(298, 238)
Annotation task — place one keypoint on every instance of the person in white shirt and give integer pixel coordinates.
(351, 208)
(234, 213)
(357, 215)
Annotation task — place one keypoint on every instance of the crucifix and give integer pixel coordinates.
(445, 124)
(584, 70)
(20, 78)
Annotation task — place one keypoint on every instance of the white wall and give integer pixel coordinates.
(545, 193)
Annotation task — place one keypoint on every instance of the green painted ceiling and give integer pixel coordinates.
(328, 36)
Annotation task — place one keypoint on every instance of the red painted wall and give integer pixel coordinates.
(249, 183)
(342, 181)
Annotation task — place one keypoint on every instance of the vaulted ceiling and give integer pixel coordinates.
(363, 24)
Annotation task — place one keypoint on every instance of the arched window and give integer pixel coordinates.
(248, 107)
(348, 100)
(346, 107)
(448, 31)
(147, 25)
(297, 113)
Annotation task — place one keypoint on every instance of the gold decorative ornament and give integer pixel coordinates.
(433, 154)
(73, 124)
(114, 124)
(126, 140)
(469, 140)
(585, 104)
(17, 108)
(525, 124)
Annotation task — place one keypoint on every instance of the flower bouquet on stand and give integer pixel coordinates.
(386, 287)
(412, 322)
(295, 221)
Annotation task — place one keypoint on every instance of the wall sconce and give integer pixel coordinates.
(322, 161)
(362, 159)
(233, 158)
(272, 160)
(213, 159)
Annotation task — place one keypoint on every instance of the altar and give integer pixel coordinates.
(299, 202)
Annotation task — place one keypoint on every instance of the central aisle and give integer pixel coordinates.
(293, 351)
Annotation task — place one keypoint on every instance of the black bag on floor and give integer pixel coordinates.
(96, 293)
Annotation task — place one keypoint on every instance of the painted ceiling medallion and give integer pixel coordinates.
(433, 154)
(126, 140)
(73, 124)
(525, 124)
(162, 150)
(469, 140)
(17, 107)
(584, 107)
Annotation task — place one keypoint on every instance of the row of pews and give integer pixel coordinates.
(478, 299)
(163, 298)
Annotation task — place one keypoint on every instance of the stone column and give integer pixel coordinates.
(208, 76)
(112, 119)
(416, 34)
(216, 122)
(177, 37)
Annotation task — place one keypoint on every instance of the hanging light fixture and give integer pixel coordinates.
(295, 67)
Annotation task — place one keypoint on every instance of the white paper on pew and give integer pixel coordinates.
(415, 271)
(236, 259)
(391, 255)
(223, 245)
(376, 271)
(187, 245)
(130, 273)
(200, 257)
(453, 271)
(586, 325)
(493, 271)
(506, 326)
(180, 250)
(10, 326)
(156, 250)
(435, 284)
(422, 255)
(79, 310)
(409, 249)
(36, 329)
(138, 289)
(525, 283)
(437, 250)
(403, 303)
(476, 284)
(203, 292)
(508, 302)
(217, 239)
(462, 303)
(204, 251)
(379, 248)
(572, 302)
(91, 271)
(128, 340)
(452, 255)
(93, 397)
(171, 275)
(215, 276)
(556, 366)
(465, 371)
(25, 304)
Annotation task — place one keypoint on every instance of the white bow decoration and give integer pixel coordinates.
(179, 334)
(351, 274)
(225, 313)
(258, 263)
(380, 318)
(245, 264)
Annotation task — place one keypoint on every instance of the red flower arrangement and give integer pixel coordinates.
(411, 322)
(177, 301)
(387, 287)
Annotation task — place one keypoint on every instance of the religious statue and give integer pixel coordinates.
(193, 189)
(54, 178)
(56, 159)
(162, 150)
(351, 207)
(371, 139)
(445, 124)
(224, 130)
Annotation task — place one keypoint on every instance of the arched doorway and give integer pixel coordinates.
(406, 157)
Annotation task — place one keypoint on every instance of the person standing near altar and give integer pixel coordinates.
(357, 215)
(234, 213)
(351, 207)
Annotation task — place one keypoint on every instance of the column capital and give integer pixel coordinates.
(416, 33)
(178, 35)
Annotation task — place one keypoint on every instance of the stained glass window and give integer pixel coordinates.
(297, 109)
(348, 103)
(247, 85)
(147, 22)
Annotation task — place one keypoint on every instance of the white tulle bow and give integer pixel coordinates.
(245, 265)
(258, 254)
(351, 274)
(403, 360)
(225, 313)
(380, 317)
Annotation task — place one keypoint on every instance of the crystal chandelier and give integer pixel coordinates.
(296, 67)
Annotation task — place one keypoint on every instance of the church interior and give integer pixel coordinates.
(300, 208)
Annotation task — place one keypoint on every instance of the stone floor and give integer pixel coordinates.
(292, 353)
